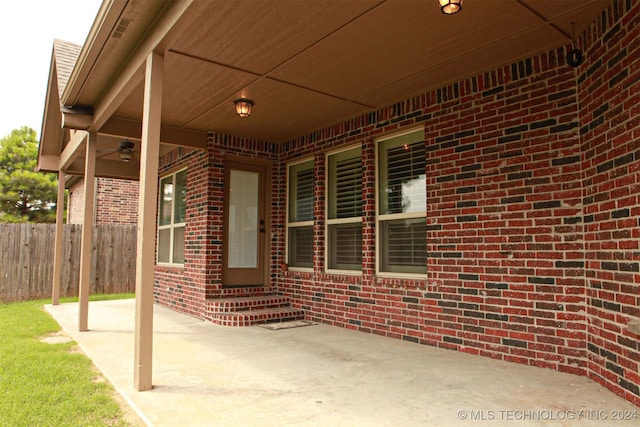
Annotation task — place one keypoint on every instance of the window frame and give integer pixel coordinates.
(172, 226)
(380, 218)
(297, 224)
(339, 221)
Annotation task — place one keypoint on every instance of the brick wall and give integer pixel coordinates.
(183, 288)
(75, 202)
(609, 93)
(504, 210)
(116, 201)
(186, 288)
(506, 260)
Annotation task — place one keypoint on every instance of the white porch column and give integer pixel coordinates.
(57, 252)
(148, 202)
(87, 229)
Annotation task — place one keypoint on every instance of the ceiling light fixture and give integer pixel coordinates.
(243, 106)
(449, 7)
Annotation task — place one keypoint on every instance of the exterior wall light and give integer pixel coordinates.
(243, 106)
(449, 7)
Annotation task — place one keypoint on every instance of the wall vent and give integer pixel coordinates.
(121, 28)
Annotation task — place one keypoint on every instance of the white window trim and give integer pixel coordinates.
(294, 224)
(170, 226)
(380, 218)
(337, 221)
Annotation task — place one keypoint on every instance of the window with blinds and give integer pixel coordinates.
(406, 185)
(402, 204)
(301, 247)
(405, 245)
(300, 215)
(344, 210)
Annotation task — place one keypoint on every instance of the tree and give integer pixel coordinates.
(25, 195)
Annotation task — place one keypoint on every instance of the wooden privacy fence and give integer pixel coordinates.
(26, 260)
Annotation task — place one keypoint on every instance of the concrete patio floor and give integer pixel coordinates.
(209, 375)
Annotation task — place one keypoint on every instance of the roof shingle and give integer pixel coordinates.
(65, 56)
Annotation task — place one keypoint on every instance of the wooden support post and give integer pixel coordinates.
(87, 230)
(148, 202)
(57, 252)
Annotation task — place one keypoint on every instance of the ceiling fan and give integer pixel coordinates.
(126, 151)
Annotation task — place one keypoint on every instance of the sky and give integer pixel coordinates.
(27, 31)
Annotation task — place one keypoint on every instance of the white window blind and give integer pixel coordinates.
(300, 216)
(304, 195)
(301, 247)
(344, 210)
(348, 188)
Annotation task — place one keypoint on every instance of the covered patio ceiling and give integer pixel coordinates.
(306, 64)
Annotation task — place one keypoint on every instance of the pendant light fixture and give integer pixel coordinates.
(243, 106)
(449, 7)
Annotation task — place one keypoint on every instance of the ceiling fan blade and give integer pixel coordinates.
(105, 153)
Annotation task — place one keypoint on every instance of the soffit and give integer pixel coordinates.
(121, 33)
(312, 64)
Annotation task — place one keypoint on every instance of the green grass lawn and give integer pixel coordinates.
(49, 384)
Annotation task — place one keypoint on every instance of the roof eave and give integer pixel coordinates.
(51, 133)
(108, 15)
